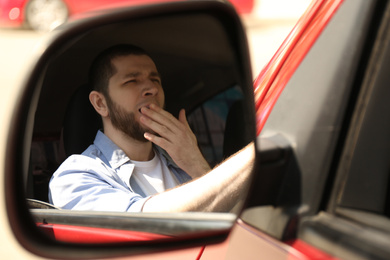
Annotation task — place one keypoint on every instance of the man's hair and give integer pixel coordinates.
(102, 68)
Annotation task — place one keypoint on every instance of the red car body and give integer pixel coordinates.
(271, 81)
(12, 12)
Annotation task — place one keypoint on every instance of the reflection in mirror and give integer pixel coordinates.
(202, 73)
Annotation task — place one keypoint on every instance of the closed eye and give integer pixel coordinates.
(156, 80)
(130, 81)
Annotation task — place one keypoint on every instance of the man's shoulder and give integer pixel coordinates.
(86, 166)
(87, 159)
(92, 152)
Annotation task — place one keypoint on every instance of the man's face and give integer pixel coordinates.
(136, 84)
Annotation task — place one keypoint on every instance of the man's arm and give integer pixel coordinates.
(217, 191)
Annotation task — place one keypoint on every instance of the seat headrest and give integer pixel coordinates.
(81, 122)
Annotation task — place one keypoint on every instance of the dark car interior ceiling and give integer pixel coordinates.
(191, 53)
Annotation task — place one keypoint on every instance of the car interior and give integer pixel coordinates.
(201, 72)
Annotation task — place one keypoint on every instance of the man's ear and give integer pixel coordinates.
(98, 101)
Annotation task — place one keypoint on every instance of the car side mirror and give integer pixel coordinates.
(201, 51)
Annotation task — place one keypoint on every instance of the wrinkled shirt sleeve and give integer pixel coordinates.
(91, 187)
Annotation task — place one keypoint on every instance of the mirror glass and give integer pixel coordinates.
(202, 70)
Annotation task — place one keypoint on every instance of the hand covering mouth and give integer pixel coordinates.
(147, 106)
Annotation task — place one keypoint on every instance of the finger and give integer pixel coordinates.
(164, 118)
(161, 142)
(171, 120)
(183, 117)
(156, 127)
(159, 115)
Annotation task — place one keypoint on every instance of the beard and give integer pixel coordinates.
(125, 121)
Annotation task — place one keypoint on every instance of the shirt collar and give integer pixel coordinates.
(117, 157)
(165, 157)
(114, 155)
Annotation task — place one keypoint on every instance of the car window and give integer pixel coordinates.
(366, 156)
(354, 222)
(208, 122)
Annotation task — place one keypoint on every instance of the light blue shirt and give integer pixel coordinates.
(99, 179)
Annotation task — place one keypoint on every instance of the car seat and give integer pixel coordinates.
(81, 122)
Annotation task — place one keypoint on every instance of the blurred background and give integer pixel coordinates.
(267, 23)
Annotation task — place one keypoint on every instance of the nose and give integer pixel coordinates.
(150, 89)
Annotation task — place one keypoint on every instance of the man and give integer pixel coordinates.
(126, 169)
